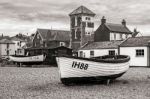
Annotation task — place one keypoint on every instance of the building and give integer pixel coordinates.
(49, 52)
(50, 43)
(51, 38)
(138, 48)
(19, 43)
(82, 27)
(110, 31)
(7, 47)
(99, 49)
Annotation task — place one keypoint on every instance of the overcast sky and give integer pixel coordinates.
(25, 16)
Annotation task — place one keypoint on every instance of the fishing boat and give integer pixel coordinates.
(104, 68)
(27, 59)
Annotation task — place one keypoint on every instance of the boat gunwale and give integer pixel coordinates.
(17, 56)
(95, 59)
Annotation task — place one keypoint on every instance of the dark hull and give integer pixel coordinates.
(28, 63)
(82, 80)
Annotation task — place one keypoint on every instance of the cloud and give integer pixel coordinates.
(26, 15)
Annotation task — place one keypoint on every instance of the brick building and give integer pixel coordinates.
(81, 26)
(110, 31)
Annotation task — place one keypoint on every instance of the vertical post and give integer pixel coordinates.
(108, 81)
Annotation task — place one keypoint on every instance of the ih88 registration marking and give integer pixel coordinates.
(80, 65)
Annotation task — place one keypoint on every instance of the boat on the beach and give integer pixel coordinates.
(27, 59)
(103, 68)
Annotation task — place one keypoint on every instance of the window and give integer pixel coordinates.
(75, 35)
(81, 53)
(79, 21)
(121, 38)
(126, 36)
(62, 43)
(38, 36)
(18, 43)
(88, 33)
(140, 52)
(91, 53)
(112, 52)
(114, 36)
(91, 25)
(41, 42)
(87, 18)
(84, 24)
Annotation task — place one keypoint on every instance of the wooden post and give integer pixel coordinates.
(108, 81)
(20, 64)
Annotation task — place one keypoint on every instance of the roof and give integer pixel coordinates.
(54, 47)
(6, 41)
(59, 35)
(4, 37)
(102, 45)
(17, 39)
(82, 10)
(117, 28)
(136, 41)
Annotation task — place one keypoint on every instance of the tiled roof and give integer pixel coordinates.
(82, 10)
(101, 45)
(6, 41)
(136, 41)
(118, 28)
(59, 35)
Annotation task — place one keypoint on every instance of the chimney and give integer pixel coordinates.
(124, 22)
(135, 33)
(103, 20)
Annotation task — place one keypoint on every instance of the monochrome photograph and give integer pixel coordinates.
(74, 49)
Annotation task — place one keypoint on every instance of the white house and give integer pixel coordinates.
(138, 49)
(19, 43)
(99, 49)
(7, 47)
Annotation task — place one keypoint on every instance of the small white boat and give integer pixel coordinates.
(27, 59)
(75, 69)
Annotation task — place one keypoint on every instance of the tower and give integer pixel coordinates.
(81, 26)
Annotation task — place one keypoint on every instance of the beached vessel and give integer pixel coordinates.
(27, 59)
(75, 69)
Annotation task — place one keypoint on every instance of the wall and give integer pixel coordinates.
(97, 52)
(102, 34)
(3, 48)
(18, 46)
(81, 32)
(37, 41)
(119, 36)
(135, 61)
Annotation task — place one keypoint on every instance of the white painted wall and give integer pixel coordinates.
(119, 36)
(88, 29)
(3, 49)
(84, 19)
(135, 61)
(18, 47)
(97, 52)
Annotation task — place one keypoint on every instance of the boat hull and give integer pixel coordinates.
(28, 59)
(78, 70)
